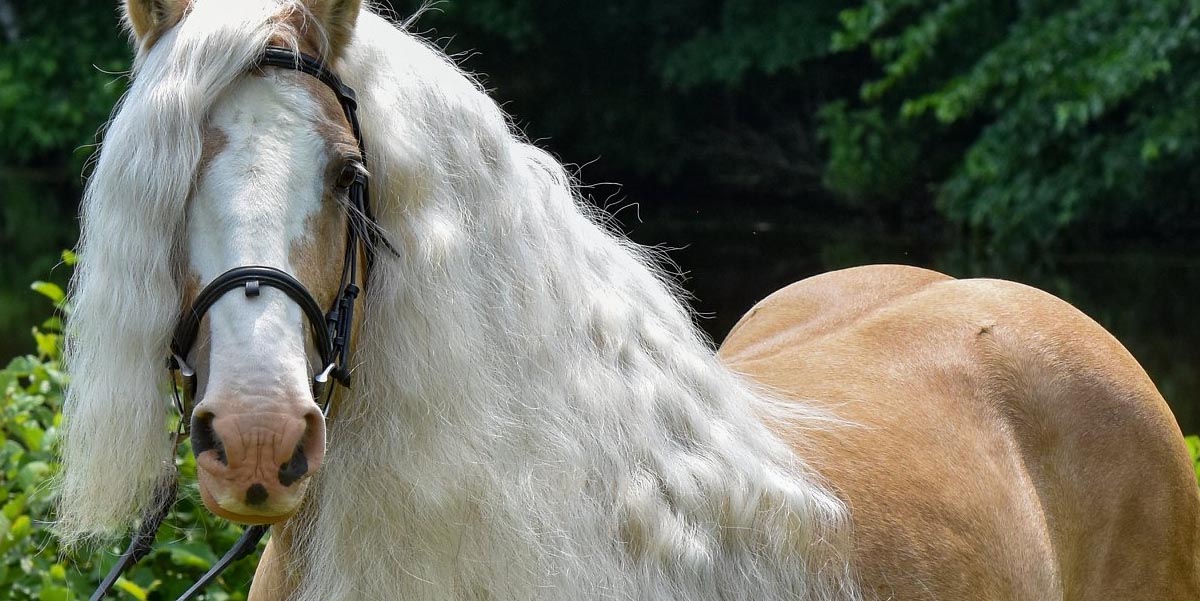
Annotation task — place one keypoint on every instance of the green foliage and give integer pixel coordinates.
(1193, 446)
(867, 157)
(32, 565)
(59, 78)
(759, 36)
(1030, 117)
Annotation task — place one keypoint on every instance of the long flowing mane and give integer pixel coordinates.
(535, 414)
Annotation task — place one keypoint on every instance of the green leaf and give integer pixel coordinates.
(32, 435)
(5, 528)
(1193, 447)
(132, 589)
(21, 527)
(49, 290)
(33, 474)
(53, 324)
(14, 507)
(194, 555)
(47, 344)
(54, 593)
(22, 366)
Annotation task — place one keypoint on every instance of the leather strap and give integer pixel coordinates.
(253, 277)
(245, 545)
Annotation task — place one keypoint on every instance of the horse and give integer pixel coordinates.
(533, 412)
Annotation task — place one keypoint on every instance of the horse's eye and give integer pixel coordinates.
(346, 177)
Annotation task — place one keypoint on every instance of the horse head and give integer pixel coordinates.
(273, 189)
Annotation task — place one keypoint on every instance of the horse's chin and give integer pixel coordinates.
(276, 512)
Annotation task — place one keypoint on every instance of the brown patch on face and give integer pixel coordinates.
(332, 124)
(317, 258)
(214, 142)
(317, 262)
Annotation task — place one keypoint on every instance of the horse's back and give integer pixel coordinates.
(1002, 446)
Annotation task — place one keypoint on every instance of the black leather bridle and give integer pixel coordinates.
(330, 329)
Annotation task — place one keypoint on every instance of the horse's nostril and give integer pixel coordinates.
(204, 437)
(307, 455)
(256, 495)
(295, 468)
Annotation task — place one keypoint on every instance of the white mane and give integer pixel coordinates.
(534, 416)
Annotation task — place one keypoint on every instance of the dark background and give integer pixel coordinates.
(1052, 143)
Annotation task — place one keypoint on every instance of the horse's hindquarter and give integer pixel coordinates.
(1003, 445)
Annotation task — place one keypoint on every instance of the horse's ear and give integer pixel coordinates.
(147, 19)
(337, 18)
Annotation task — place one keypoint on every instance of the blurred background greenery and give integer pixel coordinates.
(1050, 142)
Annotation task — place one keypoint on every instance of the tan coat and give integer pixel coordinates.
(1006, 447)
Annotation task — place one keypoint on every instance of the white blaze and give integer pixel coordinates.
(251, 206)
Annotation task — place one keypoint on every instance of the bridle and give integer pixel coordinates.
(330, 329)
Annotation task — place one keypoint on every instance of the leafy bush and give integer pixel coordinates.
(1024, 123)
(32, 565)
(1028, 119)
(53, 94)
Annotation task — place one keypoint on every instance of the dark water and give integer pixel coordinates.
(734, 255)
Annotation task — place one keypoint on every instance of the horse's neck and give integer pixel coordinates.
(550, 424)
(535, 415)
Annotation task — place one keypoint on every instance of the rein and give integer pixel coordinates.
(330, 330)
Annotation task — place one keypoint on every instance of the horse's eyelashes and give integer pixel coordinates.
(346, 176)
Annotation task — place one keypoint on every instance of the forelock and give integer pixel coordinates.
(125, 294)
